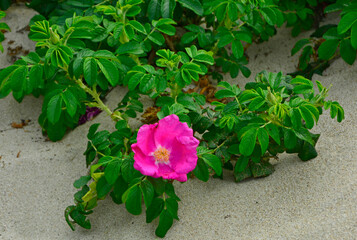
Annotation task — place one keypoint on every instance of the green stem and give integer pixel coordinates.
(116, 116)
(147, 36)
(96, 149)
(240, 107)
(214, 150)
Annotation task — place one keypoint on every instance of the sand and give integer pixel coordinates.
(300, 200)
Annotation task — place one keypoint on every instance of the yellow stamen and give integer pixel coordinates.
(161, 155)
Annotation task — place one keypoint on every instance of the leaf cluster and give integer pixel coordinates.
(330, 41)
(3, 27)
(272, 115)
(112, 173)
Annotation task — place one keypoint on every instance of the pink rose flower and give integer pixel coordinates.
(166, 149)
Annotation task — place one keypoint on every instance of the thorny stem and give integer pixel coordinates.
(240, 107)
(116, 116)
(214, 150)
(96, 149)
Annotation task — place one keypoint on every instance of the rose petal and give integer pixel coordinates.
(143, 163)
(183, 157)
(170, 127)
(145, 138)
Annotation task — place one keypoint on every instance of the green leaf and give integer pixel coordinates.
(156, 38)
(120, 187)
(303, 85)
(78, 218)
(71, 102)
(331, 34)
(333, 7)
(237, 49)
(17, 79)
(104, 160)
(307, 116)
(4, 5)
(92, 131)
(130, 48)
(83, 180)
(304, 134)
(214, 162)
(256, 103)
(262, 169)
(170, 191)
(188, 37)
(135, 80)
(165, 223)
(314, 111)
(128, 171)
(154, 210)
(327, 49)
(299, 44)
(167, 8)
(348, 53)
(246, 72)
(205, 58)
(290, 140)
(148, 192)
(305, 57)
(32, 57)
(263, 138)
(201, 170)
(224, 93)
(172, 207)
(54, 109)
(103, 188)
(248, 142)
(354, 36)
(233, 11)
(346, 22)
(225, 40)
(133, 200)
(269, 16)
(36, 77)
(137, 26)
(109, 70)
(4, 26)
(40, 31)
(154, 9)
(307, 152)
(194, 5)
(241, 164)
(163, 21)
(112, 170)
(167, 29)
(240, 176)
(274, 79)
(273, 132)
(90, 71)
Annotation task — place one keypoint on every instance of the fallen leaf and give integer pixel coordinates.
(20, 125)
(150, 115)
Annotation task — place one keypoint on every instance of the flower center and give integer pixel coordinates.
(162, 155)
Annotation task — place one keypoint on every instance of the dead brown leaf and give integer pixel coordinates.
(150, 115)
(20, 125)
(204, 87)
